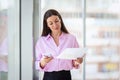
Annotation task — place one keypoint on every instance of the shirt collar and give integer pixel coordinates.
(48, 36)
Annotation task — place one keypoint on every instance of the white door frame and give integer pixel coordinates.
(26, 39)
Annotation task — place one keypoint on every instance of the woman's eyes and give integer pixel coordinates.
(57, 21)
(52, 22)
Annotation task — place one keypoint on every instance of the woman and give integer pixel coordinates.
(54, 39)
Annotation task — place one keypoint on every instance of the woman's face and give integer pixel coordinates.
(54, 23)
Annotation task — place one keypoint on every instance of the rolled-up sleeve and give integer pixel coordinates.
(39, 50)
(38, 55)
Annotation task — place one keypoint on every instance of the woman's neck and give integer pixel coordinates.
(56, 34)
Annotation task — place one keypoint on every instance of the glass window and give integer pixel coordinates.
(3, 40)
(103, 40)
(102, 34)
(9, 40)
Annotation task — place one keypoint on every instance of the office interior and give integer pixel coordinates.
(95, 23)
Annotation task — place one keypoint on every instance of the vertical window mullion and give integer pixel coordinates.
(84, 35)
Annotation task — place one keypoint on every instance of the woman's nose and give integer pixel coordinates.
(55, 24)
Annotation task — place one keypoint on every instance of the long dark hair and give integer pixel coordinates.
(48, 14)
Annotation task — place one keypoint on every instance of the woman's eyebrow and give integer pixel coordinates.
(56, 19)
(49, 22)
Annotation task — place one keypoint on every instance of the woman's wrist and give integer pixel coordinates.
(42, 64)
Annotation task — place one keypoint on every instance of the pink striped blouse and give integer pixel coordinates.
(46, 45)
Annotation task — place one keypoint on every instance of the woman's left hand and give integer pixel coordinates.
(77, 62)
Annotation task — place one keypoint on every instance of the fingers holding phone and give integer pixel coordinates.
(46, 59)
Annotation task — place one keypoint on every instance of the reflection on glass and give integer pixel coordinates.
(103, 40)
(3, 41)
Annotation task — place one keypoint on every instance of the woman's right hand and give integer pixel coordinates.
(45, 60)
